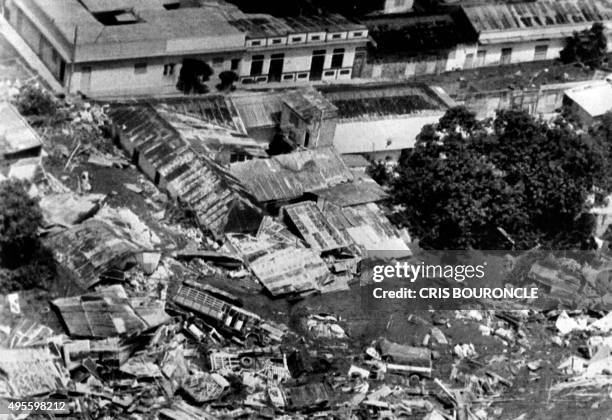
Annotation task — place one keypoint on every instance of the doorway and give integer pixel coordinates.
(276, 67)
(316, 66)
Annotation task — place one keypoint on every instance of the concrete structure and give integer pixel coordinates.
(131, 47)
(299, 49)
(308, 119)
(479, 34)
(589, 102)
(530, 31)
(396, 6)
(380, 120)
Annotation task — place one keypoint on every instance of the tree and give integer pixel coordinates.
(512, 183)
(227, 79)
(379, 172)
(20, 218)
(35, 100)
(588, 47)
(192, 76)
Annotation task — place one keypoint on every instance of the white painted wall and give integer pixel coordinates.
(299, 59)
(398, 6)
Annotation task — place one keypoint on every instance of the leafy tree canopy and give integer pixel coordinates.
(512, 182)
(588, 47)
(192, 76)
(20, 218)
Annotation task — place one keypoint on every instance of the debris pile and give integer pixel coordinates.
(163, 310)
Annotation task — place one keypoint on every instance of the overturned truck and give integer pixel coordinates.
(220, 310)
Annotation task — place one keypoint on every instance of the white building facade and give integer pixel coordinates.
(138, 47)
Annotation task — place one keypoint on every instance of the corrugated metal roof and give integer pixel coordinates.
(314, 228)
(109, 313)
(16, 135)
(289, 176)
(206, 187)
(91, 248)
(264, 26)
(368, 227)
(280, 267)
(259, 109)
(364, 190)
(540, 14)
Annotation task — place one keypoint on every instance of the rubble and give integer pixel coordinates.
(219, 317)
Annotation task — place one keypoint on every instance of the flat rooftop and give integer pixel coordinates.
(540, 14)
(595, 98)
(147, 24)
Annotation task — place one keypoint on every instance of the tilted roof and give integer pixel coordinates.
(291, 175)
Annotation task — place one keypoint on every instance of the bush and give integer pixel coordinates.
(34, 100)
(379, 172)
(192, 76)
(227, 80)
(20, 218)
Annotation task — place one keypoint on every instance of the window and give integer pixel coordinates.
(255, 43)
(315, 38)
(140, 68)
(337, 58)
(257, 65)
(357, 34)
(288, 77)
(336, 36)
(302, 75)
(480, 57)
(330, 73)
(540, 52)
(276, 41)
(169, 69)
(345, 71)
(235, 63)
(296, 39)
(506, 55)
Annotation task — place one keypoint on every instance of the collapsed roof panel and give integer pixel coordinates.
(109, 313)
(362, 191)
(368, 227)
(288, 176)
(314, 228)
(281, 268)
(32, 371)
(173, 163)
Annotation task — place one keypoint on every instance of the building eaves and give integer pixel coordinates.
(540, 14)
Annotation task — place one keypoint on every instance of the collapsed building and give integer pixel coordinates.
(181, 166)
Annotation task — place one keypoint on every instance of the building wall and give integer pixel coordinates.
(39, 43)
(398, 6)
(297, 61)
